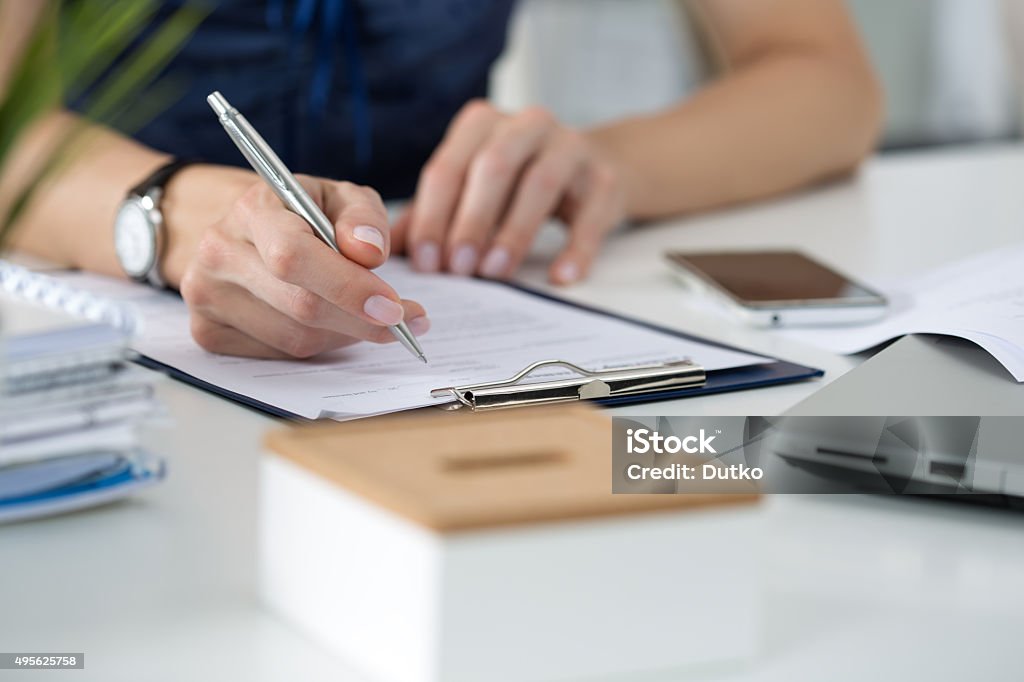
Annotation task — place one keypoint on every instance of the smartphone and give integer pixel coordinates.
(780, 288)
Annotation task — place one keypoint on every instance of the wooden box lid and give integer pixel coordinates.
(460, 471)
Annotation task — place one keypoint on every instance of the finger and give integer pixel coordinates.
(292, 254)
(358, 214)
(222, 258)
(360, 222)
(489, 183)
(224, 340)
(400, 231)
(247, 270)
(235, 307)
(599, 211)
(440, 183)
(536, 198)
(219, 338)
(312, 310)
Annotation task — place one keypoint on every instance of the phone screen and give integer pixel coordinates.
(764, 277)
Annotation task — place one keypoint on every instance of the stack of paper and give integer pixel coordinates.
(70, 408)
(980, 299)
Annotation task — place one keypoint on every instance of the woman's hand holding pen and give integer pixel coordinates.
(259, 283)
(493, 182)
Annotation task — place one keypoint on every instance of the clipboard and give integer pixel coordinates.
(693, 381)
(610, 386)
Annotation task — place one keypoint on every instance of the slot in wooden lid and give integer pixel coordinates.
(460, 471)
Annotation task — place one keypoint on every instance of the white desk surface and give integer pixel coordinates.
(163, 587)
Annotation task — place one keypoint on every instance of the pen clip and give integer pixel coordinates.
(252, 154)
(266, 163)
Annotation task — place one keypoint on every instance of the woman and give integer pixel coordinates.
(387, 94)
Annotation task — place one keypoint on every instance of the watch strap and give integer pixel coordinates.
(160, 177)
(154, 279)
(157, 180)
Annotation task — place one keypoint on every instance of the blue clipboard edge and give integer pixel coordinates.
(718, 381)
(241, 399)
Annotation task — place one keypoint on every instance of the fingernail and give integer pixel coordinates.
(427, 257)
(369, 235)
(419, 325)
(464, 260)
(496, 262)
(384, 310)
(568, 272)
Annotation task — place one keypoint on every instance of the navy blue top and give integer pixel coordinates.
(360, 90)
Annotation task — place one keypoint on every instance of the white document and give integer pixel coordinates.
(481, 331)
(980, 299)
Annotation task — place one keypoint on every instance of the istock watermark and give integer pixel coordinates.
(642, 441)
(847, 454)
(661, 465)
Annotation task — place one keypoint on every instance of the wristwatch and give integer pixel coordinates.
(139, 234)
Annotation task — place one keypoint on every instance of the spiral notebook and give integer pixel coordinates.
(482, 332)
(70, 403)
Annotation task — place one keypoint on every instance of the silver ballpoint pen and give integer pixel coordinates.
(265, 162)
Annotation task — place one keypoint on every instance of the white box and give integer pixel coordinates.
(465, 586)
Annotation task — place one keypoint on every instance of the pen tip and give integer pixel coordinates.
(424, 359)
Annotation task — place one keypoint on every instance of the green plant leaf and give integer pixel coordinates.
(35, 84)
(113, 25)
(144, 64)
(73, 53)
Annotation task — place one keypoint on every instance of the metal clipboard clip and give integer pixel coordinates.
(587, 386)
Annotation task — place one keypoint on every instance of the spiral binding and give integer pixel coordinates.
(49, 292)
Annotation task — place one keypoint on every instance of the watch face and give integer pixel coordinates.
(134, 239)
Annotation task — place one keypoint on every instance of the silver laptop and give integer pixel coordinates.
(936, 415)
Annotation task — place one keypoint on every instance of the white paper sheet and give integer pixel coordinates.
(481, 331)
(980, 299)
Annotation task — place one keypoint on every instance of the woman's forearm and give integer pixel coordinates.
(779, 123)
(71, 219)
